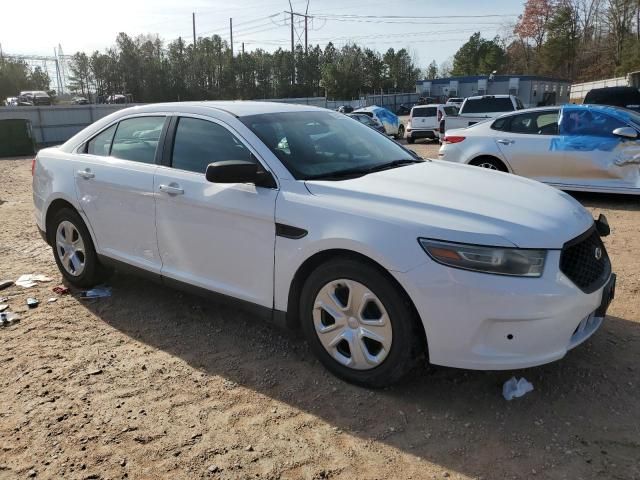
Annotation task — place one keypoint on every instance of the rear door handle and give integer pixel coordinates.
(171, 189)
(505, 142)
(86, 174)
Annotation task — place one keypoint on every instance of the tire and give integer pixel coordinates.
(85, 271)
(490, 163)
(400, 133)
(411, 140)
(371, 363)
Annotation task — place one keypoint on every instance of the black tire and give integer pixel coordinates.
(407, 344)
(490, 163)
(93, 272)
(411, 140)
(400, 133)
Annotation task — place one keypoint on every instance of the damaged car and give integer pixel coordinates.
(383, 259)
(592, 148)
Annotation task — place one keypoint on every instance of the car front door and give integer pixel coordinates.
(594, 156)
(526, 141)
(220, 237)
(114, 186)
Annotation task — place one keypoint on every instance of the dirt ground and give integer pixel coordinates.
(153, 383)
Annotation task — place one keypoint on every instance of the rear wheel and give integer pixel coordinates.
(73, 249)
(358, 323)
(400, 133)
(491, 163)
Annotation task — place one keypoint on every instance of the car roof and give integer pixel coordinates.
(617, 112)
(432, 105)
(371, 108)
(479, 97)
(238, 108)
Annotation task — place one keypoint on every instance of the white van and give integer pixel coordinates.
(424, 121)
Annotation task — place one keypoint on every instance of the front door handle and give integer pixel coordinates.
(505, 142)
(171, 189)
(86, 174)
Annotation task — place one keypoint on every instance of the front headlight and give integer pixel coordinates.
(496, 260)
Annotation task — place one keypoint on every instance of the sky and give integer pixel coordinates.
(90, 25)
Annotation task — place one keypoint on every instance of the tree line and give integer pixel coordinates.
(578, 40)
(152, 71)
(15, 76)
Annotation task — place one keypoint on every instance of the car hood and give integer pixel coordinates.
(461, 203)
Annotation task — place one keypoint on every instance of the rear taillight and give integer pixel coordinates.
(452, 139)
(33, 166)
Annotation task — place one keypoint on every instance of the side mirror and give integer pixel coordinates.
(239, 171)
(626, 132)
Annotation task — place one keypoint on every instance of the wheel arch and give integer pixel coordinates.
(55, 206)
(317, 259)
(492, 157)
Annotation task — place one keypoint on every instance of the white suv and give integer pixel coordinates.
(315, 219)
(424, 121)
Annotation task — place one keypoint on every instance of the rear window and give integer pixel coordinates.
(368, 114)
(614, 96)
(424, 112)
(488, 104)
(451, 111)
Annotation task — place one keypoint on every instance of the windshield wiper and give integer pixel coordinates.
(359, 172)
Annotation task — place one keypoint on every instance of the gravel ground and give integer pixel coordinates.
(153, 383)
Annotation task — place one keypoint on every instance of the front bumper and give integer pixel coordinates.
(491, 322)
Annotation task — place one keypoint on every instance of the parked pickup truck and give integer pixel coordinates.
(479, 108)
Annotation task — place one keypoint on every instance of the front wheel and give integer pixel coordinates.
(400, 133)
(359, 324)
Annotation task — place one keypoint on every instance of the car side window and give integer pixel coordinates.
(137, 139)
(587, 122)
(199, 142)
(101, 143)
(501, 124)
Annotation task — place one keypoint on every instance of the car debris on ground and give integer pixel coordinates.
(61, 290)
(3, 306)
(29, 280)
(32, 302)
(5, 284)
(100, 291)
(514, 388)
(8, 318)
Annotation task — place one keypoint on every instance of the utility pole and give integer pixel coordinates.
(293, 53)
(193, 21)
(231, 36)
(242, 49)
(306, 30)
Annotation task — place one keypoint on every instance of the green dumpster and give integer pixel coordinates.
(16, 138)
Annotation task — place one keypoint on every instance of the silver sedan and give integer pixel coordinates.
(573, 147)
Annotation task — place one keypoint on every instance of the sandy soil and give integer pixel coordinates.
(153, 383)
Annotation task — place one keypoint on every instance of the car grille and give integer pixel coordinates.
(579, 261)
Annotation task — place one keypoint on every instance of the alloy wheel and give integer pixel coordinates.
(70, 248)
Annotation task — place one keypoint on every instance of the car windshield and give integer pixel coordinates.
(314, 145)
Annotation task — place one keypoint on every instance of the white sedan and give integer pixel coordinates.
(573, 147)
(382, 258)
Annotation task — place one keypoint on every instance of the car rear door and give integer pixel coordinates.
(593, 155)
(424, 118)
(114, 185)
(526, 139)
(220, 237)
